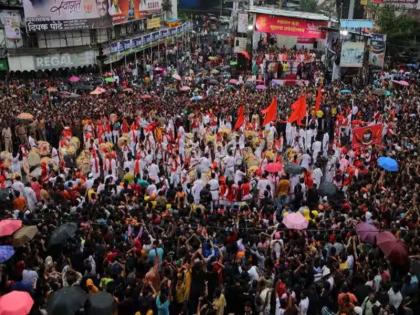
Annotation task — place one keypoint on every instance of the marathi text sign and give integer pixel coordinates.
(290, 26)
(58, 15)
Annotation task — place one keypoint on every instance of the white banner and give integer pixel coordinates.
(352, 54)
(242, 23)
(148, 6)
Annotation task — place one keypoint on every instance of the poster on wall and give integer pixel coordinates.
(65, 60)
(352, 54)
(147, 7)
(377, 50)
(290, 26)
(11, 20)
(59, 15)
(123, 11)
(242, 22)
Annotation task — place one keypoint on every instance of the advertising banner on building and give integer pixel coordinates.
(377, 50)
(352, 54)
(150, 6)
(123, 11)
(153, 23)
(242, 22)
(290, 26)
(11, 21)
(52, 61)
(60, 15)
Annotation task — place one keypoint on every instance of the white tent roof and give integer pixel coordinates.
(289, 13)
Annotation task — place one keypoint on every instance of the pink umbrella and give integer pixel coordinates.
(16, 303)
(184, 88)
(261, 87)
(397, 252)
(98, 91)
(158, 69)
(295, 221)
(9, 226)
(146, 97)
(233, 81)
(176, 76)
(274, 167)
(404, 83)
(74, 79)
(383, 241)
(367, 232)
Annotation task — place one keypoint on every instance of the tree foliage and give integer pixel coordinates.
(308, 5)
(402, 30)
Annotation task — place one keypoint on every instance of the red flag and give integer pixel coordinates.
(151, 127)
(270, 112)
(298, 110)
(369, 135)
(318, 99)
(241, 118)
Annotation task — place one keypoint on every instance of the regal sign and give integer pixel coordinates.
(290, 26)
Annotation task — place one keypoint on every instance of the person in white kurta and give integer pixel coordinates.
(196, 190)
(317, 176)
(30, 197)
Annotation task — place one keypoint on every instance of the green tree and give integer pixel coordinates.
(402, 32)
(308, 5)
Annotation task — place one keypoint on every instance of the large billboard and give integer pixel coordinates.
(123, 11)
(150, 6)
(377, 50)
(59, 15)
(290, 26)
(11, 20)
(352, 54)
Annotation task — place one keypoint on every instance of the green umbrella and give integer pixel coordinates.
(388, 93)
(233, 63)
(109, 80)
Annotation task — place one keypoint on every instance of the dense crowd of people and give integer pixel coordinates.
(176, 210)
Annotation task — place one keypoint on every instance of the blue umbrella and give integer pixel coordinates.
(196, 98)
(388, 164)
(345, 92)
(6, 251)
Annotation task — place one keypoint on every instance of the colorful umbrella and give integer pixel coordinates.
(52, 89)
(16, 303)
(74, 79)
(245, 54)
(9, 226)
(196, 98)
(274, 167)
(98, 91)
(404, 83)
(66, 301)
(214, 71)
(184, 88)
(261, 87)
(158, 69)
(295, 221)
(6, 252)
(345, 91)
(109, 80)
(233, 81)
(396, 252)
(385, 238)
(388, 164)
(25, 116)
(146, 97)
(24, 235)
(367, 232)
(176, 76)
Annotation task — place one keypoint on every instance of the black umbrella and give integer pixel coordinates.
(293, 169)
(63, 233)
(327, 189)
(66, 301)
(213, 81)
(101, 303)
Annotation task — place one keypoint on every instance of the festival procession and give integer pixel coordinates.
(187, 183)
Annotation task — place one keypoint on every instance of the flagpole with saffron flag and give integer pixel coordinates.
(270, 112)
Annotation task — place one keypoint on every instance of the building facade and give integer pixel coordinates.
(51, 34)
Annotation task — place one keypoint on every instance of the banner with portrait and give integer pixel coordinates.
(11, 20)
(61, 15)
(369, 135)
(123, 11)
(147, 7)
(377, 50)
